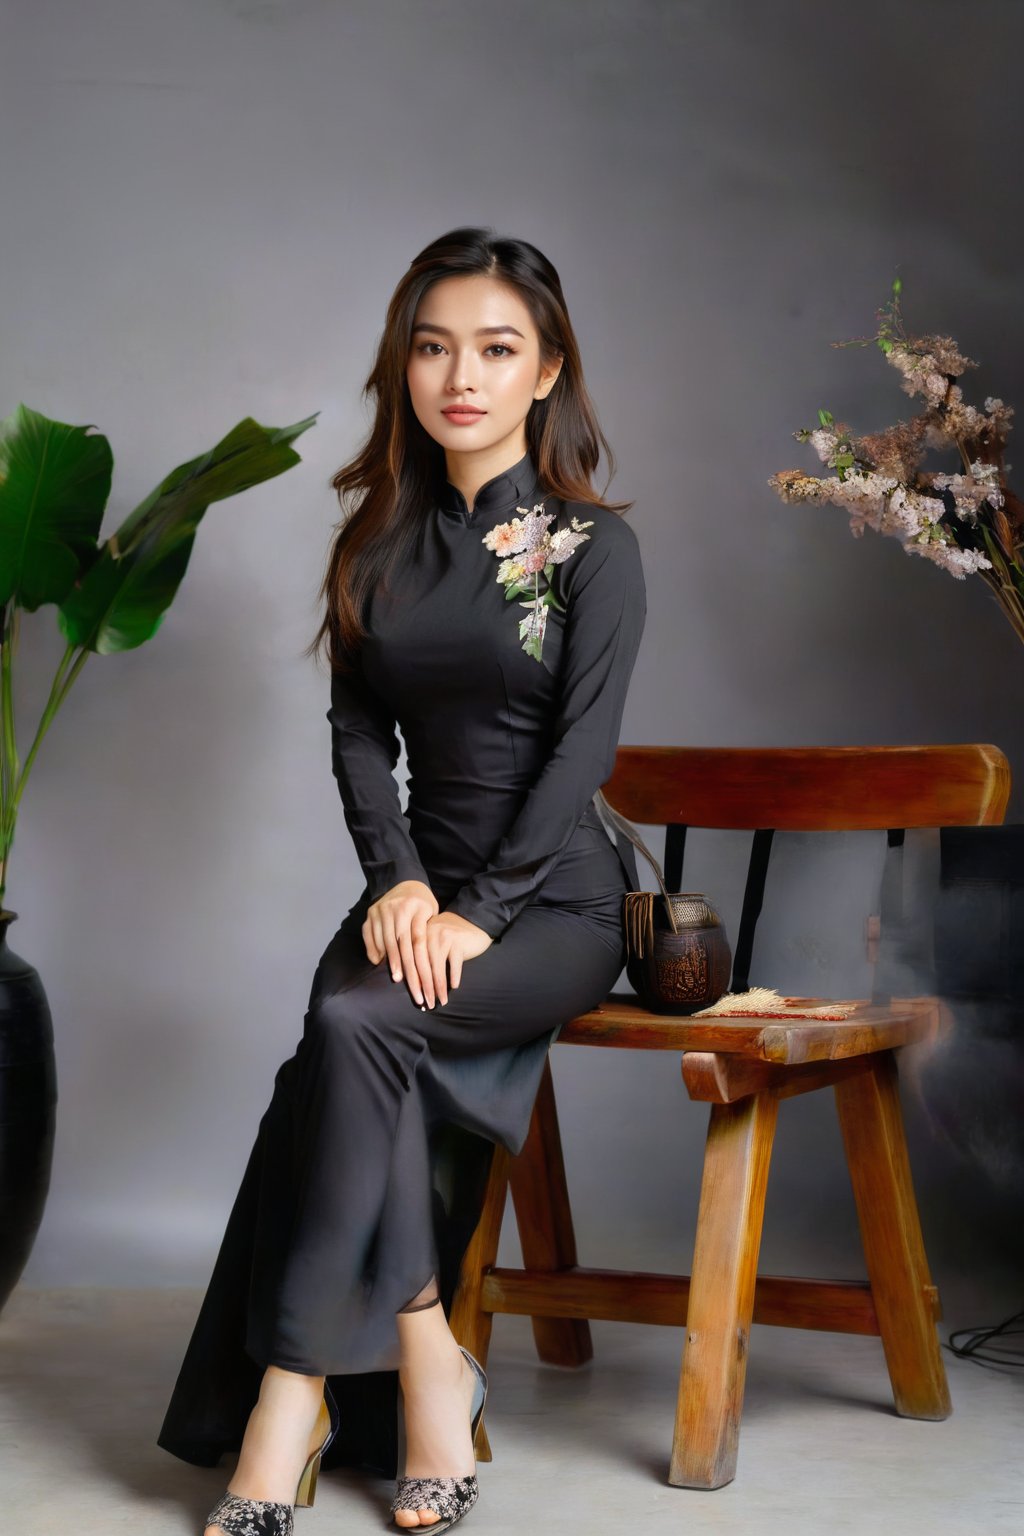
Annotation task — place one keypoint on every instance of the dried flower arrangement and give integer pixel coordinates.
(966, 522)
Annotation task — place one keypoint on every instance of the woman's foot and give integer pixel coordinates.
(280, 1436)
(437, 1384)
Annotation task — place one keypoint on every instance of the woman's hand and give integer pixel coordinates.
(395, 926)
(421, 943)
(451, 939)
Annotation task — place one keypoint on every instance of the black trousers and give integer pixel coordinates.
(340, 1220)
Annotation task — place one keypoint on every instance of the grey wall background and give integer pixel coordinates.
(206, 206)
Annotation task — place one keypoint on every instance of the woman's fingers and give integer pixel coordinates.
(437, 946)
(421, 956)
(412, 943)
(392, 944)
(409, 965)
(373, 938)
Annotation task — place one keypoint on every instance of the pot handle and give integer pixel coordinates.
(628, 829)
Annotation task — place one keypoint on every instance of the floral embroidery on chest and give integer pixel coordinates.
(528, 551)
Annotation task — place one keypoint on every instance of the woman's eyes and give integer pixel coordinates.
(499, 345)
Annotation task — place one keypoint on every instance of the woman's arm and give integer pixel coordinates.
(606, 606)
(364, 752)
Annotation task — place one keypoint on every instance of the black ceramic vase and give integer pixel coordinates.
(28, 1108)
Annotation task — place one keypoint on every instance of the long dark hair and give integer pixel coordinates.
(401, 468)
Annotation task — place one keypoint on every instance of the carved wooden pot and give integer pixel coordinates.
(676, 971)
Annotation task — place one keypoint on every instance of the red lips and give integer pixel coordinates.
(463, 410)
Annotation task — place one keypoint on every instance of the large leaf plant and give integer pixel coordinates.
(54, 484)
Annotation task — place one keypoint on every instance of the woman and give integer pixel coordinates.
(485, 599)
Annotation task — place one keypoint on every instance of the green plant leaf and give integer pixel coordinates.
(54, 484)
(120, 601)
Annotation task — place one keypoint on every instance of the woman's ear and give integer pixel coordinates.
(548, 374)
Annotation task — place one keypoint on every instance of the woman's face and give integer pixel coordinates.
(474, 343)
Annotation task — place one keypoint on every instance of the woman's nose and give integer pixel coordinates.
(462, 375)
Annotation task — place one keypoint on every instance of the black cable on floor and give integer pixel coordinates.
(980, 1338)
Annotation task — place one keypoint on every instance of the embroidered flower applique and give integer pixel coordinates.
(528, 551)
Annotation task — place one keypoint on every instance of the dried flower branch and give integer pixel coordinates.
(966, 522)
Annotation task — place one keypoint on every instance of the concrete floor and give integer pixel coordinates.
(86, 1375)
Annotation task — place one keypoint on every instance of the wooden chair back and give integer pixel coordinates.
(802, 789)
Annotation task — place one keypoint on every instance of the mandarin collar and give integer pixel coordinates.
(503, 493)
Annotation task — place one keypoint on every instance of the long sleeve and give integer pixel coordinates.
(606, 607)
(364, 753)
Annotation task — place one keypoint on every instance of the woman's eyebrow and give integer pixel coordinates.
(485, 330)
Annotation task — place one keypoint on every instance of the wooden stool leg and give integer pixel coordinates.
(735, 1179)
(540, 1196)
(876, 1151)
(469, 1323)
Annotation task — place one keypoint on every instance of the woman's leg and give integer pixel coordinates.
(437, 1388)
(437, 1391)
(279, 1438)
(346, 1193)
(548, 958)
(344, 1235)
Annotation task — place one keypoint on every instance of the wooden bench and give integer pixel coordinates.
(742, 1068)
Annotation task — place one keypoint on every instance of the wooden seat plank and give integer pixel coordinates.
(627, 1025)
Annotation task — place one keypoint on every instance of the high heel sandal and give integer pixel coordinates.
(264, 1517)
(449, 1497)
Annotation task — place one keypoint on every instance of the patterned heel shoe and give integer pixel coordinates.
(449, 1497)
(263, 1517)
